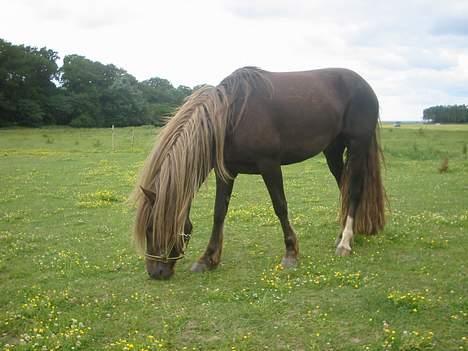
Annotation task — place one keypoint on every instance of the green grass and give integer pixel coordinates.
(70, 278)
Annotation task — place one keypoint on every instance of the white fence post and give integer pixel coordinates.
(113, 145)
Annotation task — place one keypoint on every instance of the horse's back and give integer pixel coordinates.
(318, 100)
(321, 91)
(301, 116)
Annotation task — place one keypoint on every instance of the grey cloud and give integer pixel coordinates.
(430, 59)
(458, 90)
(434, 64)
(457, 26)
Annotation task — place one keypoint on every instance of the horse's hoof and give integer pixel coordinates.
(199, 267)
(343, 251)
(289, 262)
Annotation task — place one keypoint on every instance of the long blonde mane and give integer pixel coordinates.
(189, 146)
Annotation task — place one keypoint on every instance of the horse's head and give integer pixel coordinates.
(160, 260)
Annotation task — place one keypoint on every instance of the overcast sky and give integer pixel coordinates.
(413, 53)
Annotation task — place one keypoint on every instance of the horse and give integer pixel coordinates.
(254, 122)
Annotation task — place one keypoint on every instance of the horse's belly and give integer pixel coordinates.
(292, 152)
(290, 144)
(296, 157)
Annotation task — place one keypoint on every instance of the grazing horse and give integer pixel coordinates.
(253, 122)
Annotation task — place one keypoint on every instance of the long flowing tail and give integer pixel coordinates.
(370, 215)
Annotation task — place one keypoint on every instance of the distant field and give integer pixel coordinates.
(71, 280)
(453, 127)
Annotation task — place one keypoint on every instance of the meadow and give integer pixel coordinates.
(70, 278)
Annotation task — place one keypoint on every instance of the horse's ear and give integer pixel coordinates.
(151, 196)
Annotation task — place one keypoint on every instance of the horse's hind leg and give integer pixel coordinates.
(212, 256)
(334, 156)
(356, 166)
(273, 178)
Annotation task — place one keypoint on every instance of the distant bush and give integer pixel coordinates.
(83, 120)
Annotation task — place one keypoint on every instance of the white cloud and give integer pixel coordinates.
(414, 53)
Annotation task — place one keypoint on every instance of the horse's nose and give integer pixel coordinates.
(160, 270)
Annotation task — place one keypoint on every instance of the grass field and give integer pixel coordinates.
(71, 280)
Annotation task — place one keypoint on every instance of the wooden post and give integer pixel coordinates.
(133, 137)
(113, 145)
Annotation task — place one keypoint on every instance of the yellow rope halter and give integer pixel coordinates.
(165, 258)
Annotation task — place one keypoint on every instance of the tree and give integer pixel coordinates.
(122, 102)
(446, 114)
(162, 98)
(82, 93)
(182, 92)
(83, 81)
(104, 95)
(26, 84)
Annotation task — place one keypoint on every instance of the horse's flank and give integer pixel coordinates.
(189, 146)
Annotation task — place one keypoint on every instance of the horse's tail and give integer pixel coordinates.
(370, 214)
(190, 145)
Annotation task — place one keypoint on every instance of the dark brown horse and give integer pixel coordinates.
(253, 122)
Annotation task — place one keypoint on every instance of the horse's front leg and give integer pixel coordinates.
(188, 226)
(212, 256)
(273, 178)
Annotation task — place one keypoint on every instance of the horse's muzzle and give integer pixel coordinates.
(160, 270)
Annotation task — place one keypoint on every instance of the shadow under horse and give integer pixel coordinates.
(253, 122)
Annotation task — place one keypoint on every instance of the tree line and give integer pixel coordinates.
(35, 91)
(446, 114)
